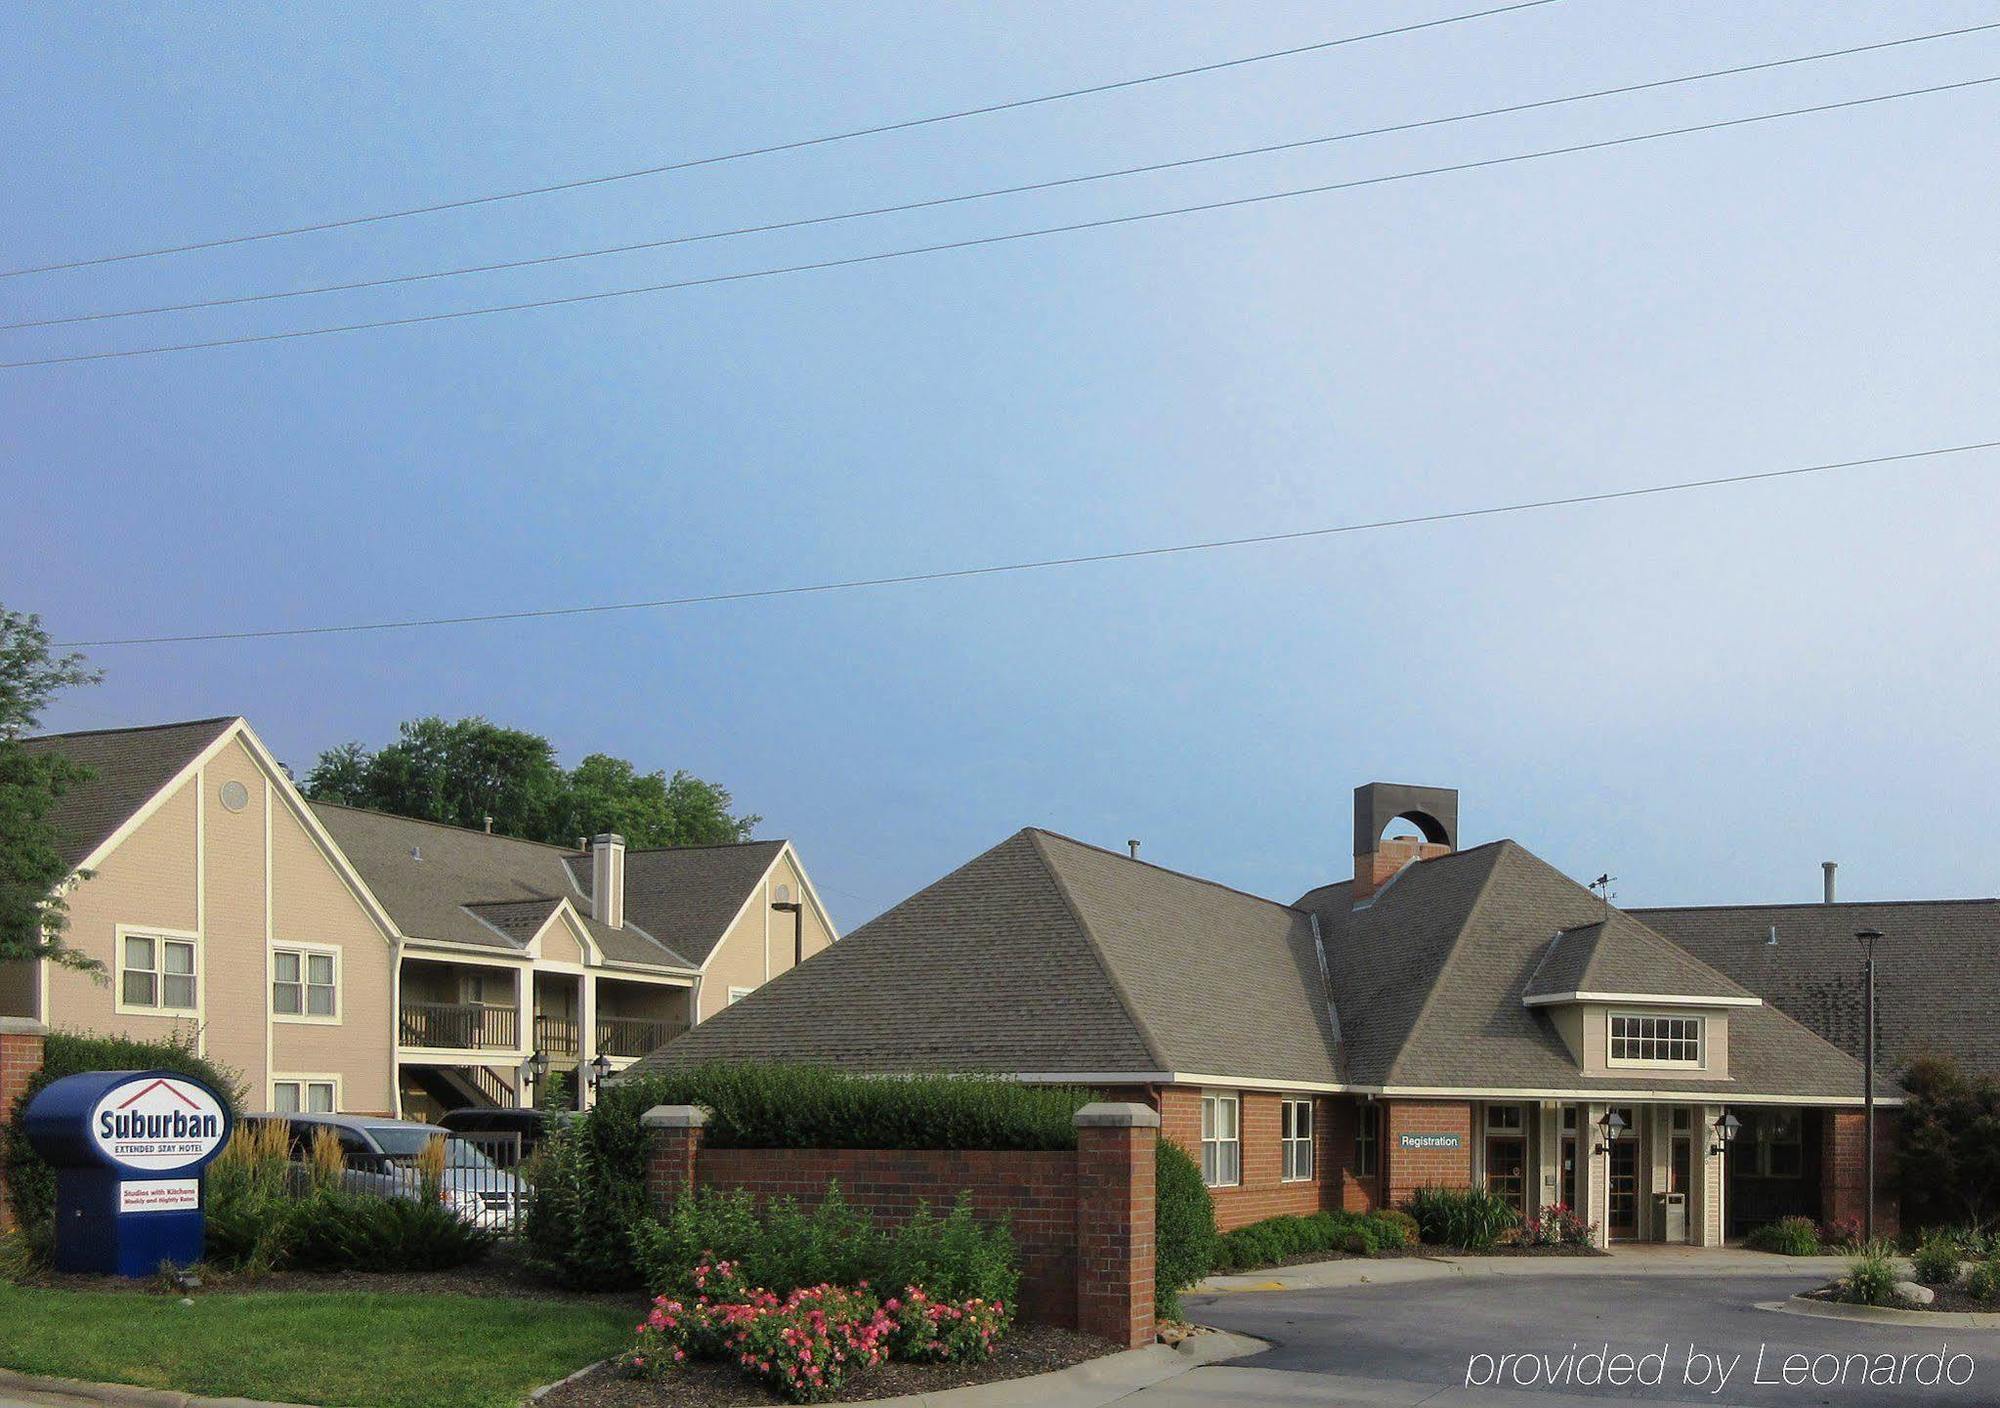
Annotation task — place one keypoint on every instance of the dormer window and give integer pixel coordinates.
(1639, 1040)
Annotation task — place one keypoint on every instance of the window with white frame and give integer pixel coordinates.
(303, 1096)
(1295, 1133)
(158, 972)
(738, 994)
(1366, 1119)
(1221, 1141)
(1637, 1040)
(305, 983)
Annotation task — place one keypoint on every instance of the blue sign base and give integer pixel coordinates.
(92, 1235)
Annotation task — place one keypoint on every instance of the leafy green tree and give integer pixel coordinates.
(463, 772)
(33, 916)
(1948, 1155)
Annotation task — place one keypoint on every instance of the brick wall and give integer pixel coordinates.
(1262, 1192)
(1410, 1169)
(1844, 1168)
(1343, 1187)
(1035, 1191)
(20, 1057)
(1083, 1220)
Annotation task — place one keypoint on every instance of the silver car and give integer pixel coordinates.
(381, 1158)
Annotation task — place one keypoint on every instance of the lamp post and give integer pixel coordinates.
(1867, 939)
(1724, 1130)
(599, 1068)
(1612, 1125)
(532, 1071)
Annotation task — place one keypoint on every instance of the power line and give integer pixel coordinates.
(935, 202)
(1038, 564)
(984, 240)
(798, 145)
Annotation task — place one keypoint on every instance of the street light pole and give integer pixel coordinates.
(1868, 939)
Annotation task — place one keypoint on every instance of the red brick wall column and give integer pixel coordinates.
(1843, 1175)
(20, 1057)
(673, 1136)
(1114, 1221)
(1414, 1153)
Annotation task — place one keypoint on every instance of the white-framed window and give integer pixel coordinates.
(1366, 1119)
(313, 1095)
(738, 994)
(1639, 1040)
(1295, 1136)
(1221, 1141)
(305, 984)
(159, 972)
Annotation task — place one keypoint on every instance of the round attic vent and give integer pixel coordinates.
(235, 796)
(781, 893)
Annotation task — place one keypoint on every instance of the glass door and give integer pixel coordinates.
(1622, 1186)
(1507, 1155)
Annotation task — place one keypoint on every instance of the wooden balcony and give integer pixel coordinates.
(460, 1026)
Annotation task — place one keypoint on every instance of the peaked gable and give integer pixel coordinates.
(129, 767)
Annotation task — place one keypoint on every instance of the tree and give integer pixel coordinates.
(1948, 1156)
(463, 772)
(33, 917)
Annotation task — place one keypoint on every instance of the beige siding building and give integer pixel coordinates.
(343, 959)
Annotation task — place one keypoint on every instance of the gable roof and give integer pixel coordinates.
(1937, 979)
(1047, 956)
(130, 766)
(685, 896)
(1429, 978)
(452, 884)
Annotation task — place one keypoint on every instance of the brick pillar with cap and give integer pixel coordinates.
(1114, 1221)
(21, 1040)
(673, 1148)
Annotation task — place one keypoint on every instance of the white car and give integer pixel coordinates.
(381, 1157)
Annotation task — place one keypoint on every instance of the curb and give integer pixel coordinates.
(1352, 1272)
(71, 1393)
(1882, 1314)
(1094, 1382)
(546, 1389)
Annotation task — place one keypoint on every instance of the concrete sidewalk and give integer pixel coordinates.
(1650, 1260)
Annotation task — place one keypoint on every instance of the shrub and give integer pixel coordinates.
(1788, 1236)
(248, 1203)
(1871, 1280)
(1183, 1227)
(1402, 1222)
(31, 1184)
(1936, 1261)
(1557, 1225)
(1471, 1218)
(934, 1331)
(338, 1231)
(805, 1348)
(589, 1191)
(1983, 1281)
(957, 1258)
(1842, 1234)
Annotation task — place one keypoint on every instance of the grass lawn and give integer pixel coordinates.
(367, 1350)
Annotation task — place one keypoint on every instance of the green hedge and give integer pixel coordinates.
(817, 1107)
(590, 1183)
(31, 1184)
(1183, 1227)
(1278, 1239)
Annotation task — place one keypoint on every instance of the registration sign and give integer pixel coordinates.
(1430, 1141)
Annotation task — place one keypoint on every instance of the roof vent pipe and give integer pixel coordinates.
(488, 819)
(1827, 868)
(1133, 846)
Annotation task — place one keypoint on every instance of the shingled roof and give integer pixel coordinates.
(128, 766)
(686, 896)
(1937, 984)
(1047, 956)
(1618, 956)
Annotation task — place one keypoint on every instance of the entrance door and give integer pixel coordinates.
(1622, 1186)
(1507, 1170)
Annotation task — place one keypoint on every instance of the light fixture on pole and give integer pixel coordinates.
(1611, 1126)
(599, 1068)
(1724, 1130)
(1868, 939)
(533, 1069)
(785, 904)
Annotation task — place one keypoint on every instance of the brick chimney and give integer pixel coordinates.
(1432, 813)
(607, 879)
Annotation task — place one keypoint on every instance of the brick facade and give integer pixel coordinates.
(1263, 1191)
(20, 1057)
(1844, 1168)
(1407, 1170)
(1082, 1220)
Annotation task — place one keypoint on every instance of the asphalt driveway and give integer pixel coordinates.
(1422, 1342)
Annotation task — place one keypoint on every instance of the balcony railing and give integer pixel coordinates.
(557, 1036)
(460, 1026)
(636, 1036)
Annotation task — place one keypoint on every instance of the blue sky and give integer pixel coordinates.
(1705, 695)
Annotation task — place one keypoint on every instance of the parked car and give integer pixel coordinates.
(497, 1121)
(381, 1158)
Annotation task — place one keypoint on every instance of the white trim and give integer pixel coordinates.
(302, 1079)
(1552, 999)
(760, 888)
(302, 1018)
(1431, 1092)
(270, 920)
(825, 919)
(1234, 1099)
(464, 953)
(196, 1013)
(737, 994)
(1236, 1082)
(1311, 1139)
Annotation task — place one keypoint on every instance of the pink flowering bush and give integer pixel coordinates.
(1558, 1225)
(807, 1345)
(944, 1331)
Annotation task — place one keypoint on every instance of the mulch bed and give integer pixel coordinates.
(501, 1275)
(1949, 1298)
(1027, 1349)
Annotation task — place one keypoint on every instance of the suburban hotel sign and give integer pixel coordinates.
(128, 1148)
